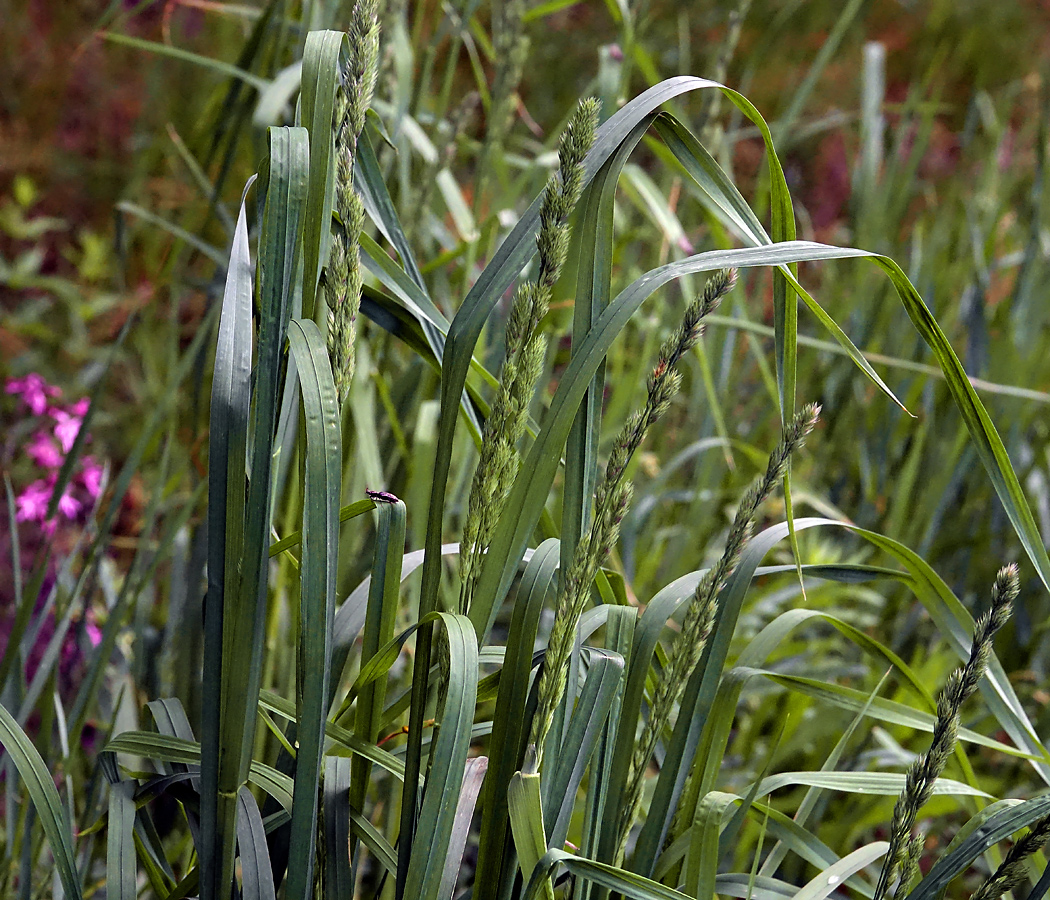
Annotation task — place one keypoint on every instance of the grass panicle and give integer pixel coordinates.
(343, 274)
(525, 352)
(699, 621)
(924, 772)
(612, 497)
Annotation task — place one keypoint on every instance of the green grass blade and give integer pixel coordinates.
(121, 863)
(228, 442)
(244, 616)
(473, 776)
(599, 825)
(379, 627)
(606, 876)
(368, 178)
(530, 836)
(45, 800)
(701, 692)
(206, 62)
(346, 739)
(604, 673)
(338, 881)
(317, 588)
(882, 710)
(830, 880)
(997, 828)
(149, 745)
(256, 873)
(320, 78)
(448, 758)
(509, 722)
(593, 230)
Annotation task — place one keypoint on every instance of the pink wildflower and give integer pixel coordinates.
(80, 408)
(34, 391)
(68, 505)
(43, 452)
(32, 502)
(66, 428)
(94, 633)
(91, 476)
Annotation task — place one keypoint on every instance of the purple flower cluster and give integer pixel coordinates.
(53, 427)
(51, 441)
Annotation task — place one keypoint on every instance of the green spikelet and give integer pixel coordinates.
(612, 498)
(526, 349)
(924, 772)
(343, 275)
(699, 621)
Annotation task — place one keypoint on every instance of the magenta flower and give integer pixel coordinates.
(91, 476)
(43, 452)
(94, 633)
(32, 503)
(80, 408)
(68, 505)
(66, 428)
(34, 391)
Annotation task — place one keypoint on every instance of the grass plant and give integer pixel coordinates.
(619, 672)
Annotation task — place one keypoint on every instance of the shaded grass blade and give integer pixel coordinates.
(317, 588)
(45, 800)
(228, 438)
(121, 864)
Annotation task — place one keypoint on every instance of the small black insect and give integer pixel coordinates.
(381, 496)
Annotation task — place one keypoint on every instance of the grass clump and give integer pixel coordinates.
(671, 625)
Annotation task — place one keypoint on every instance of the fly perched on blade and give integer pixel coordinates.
(381, 496)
